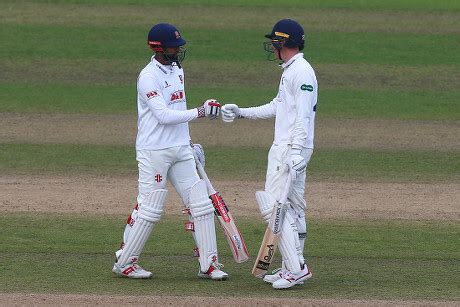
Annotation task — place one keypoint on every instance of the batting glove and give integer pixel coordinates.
(230, 112)
(210, 109)
(296, 162)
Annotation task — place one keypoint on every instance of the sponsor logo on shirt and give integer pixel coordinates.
(306, 87)
(177, 96)
(162, 69)
(181, 79)
(152, 94)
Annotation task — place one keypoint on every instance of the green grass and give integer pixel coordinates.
(103, 42)
(106, 99)
(373, 259)
(408, 105)
(361, 165)
(426, 5)
(363, 72)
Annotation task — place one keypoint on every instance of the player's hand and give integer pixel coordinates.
(199, 151)
(230, 112)
(210, 109)
(297, 163)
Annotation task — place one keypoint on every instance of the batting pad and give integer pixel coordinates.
(289, 244)
(301, 224)
(202, 212)
(266, 203)
(148, 215)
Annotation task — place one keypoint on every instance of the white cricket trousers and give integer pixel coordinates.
(276, 176)
(175, 164)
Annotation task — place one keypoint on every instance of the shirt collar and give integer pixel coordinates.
(291, 60)
(166, 67)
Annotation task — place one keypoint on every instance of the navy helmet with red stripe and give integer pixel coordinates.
(164, 35)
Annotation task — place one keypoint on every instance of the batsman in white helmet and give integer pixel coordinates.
(294, 110)
(163, 152)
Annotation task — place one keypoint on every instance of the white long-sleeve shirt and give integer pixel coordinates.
(162, 108)
(294, 107)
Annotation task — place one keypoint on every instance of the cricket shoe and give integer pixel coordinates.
(131, 270)
(290, 279)
(275, 275)
(214, 272)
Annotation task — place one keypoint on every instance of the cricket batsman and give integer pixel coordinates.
(294, 110)
(163, 152)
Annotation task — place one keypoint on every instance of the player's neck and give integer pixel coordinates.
(288, 53)
(160, 58)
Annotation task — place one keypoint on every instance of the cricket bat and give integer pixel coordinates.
(227, 222)
(272, 234)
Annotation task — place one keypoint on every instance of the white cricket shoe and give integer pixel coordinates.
(290, 279)
(275, 275)
(214, 272)
(132, 270)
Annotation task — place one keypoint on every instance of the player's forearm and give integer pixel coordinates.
(265, 111)
(300, 134)
(171, 117)
(302, 120)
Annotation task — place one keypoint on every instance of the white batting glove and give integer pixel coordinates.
(210, 109)
(199, 151)
(230, 112)
(296, 162)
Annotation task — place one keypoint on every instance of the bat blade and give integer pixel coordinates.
(272, 233)
(266, 253)
(232, 234)
(220, 207)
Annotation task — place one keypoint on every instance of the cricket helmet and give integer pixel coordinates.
(288, 33)
(165, 35)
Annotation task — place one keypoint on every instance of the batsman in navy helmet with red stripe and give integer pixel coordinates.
(163, 152)
(294, 109)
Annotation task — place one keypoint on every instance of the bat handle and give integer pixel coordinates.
(287, 187)
(203, 174)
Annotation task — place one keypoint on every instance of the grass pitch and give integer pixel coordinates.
(365, 260)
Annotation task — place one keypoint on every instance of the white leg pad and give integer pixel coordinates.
(266, 203)
(301, 227)
(126, 234)
(202, 212)
(148, 215)
(289, 245)
(129, 225)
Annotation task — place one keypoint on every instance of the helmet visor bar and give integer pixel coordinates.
(175, 57)
(276, 43)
